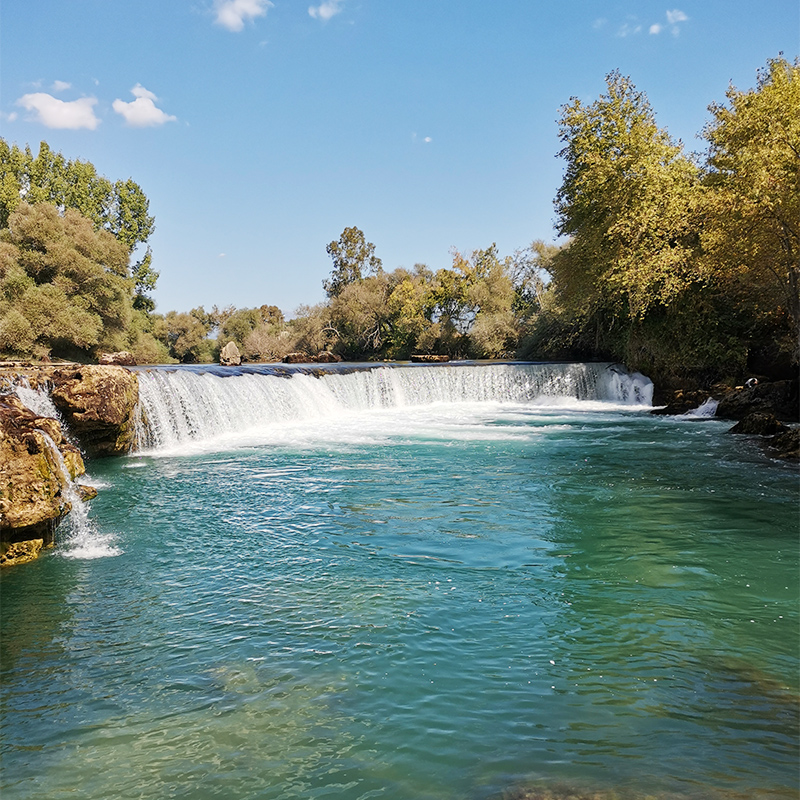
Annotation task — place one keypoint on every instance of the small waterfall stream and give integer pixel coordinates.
(82, 540)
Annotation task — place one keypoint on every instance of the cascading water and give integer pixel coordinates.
(83, 540)
(187, 405)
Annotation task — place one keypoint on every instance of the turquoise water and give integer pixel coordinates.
(448, 600)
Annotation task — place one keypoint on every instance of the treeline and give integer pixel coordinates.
(685, 266)
(680, 265)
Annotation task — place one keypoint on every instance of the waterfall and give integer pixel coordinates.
(180, 405)
(83, 540)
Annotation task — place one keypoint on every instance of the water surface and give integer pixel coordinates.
(443, 600)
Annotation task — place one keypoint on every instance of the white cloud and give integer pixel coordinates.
(428, 140)
(676, 16)
(60, 86)
(55, 113)
(628, 30)
(673, 18)
(232, 14)
(326, 10)
(142, 112)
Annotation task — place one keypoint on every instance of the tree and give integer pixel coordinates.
(353, 259)
(752, 235)
(121, 208)
(626, 201)
(66, 279)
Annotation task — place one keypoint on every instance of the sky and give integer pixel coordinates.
(260, 129)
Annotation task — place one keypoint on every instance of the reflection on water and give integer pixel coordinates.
(594, 604)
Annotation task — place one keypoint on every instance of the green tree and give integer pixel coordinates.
(186, 335)
(68, 280)
(626, 202)
(121, 208)
(353, 259)
(751, 237)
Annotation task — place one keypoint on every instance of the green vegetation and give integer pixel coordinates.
(680, 266)
(684, 266)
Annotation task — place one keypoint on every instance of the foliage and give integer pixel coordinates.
(752, 235)
(186, 335)
(353, 259)
(671, 265)
(121, 208)
(67, 280)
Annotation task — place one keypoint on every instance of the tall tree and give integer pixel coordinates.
(121, 207)
(353, 259)
(625, 201)
(752, 235)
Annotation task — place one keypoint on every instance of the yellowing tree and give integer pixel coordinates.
(752, 233)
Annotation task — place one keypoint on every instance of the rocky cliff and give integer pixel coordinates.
(36, 466)
(38, 462)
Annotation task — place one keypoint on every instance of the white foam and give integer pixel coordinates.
(183, 411)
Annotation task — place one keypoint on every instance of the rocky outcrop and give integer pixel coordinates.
(326, 357)
(121, 359)
(780, 398)
(786, 444)
(759, 423)
(426, 358)
(778, 439)
(230, 356)
(37, 465)
(98, 404)
(296, 358)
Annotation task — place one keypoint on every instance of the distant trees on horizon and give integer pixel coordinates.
(678, 265)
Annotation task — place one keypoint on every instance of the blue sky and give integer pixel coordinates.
(260, 130)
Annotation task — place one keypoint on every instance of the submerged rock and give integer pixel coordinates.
(98, 404)
(230, 356)
(32, 479)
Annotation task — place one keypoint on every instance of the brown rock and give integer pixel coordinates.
(777, 397)
(326, 357)
(296, 358)
(426, 358)
(32, 481)
(759, 423)
(20, 552)
(786, 444)
(230, 356)
(122, 359)
(98, 404)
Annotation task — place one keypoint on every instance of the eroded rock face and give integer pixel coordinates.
(425, 358)
(123, 359)
(12, 553)
(98, 404)
(32, 480)
(230, 356)
(778, 397)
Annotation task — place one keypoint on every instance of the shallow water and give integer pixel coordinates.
(451, 600)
